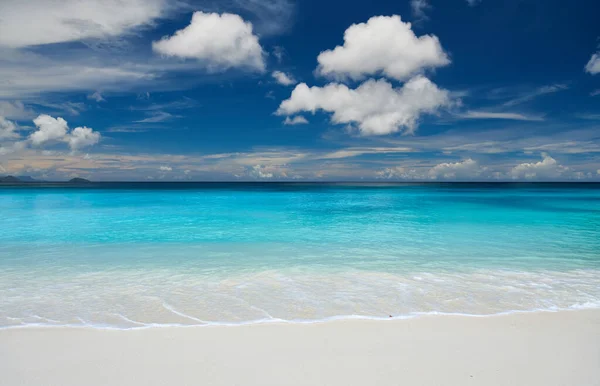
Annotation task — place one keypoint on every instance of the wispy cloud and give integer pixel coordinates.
(498, 115)
(297, 120)
(73, 20)
(26, 75)
(158, 116)
(16, 110)
(528, 96)
(69, 108)
(419, 9)
(591, 117)
(96, 96)
(179, 104)
(269, 17)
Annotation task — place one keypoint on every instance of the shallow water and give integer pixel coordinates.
(135, 255)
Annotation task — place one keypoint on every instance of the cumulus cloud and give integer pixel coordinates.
(548, 167)
(375, 106)
(259, 171)
(593, 66)
(492, 115)
(52, 21)
(297, 120)
(397, 172)
(50, 129)
(283, 78)
(165, 169)
(82, 137)
(466, 169)
(217, 41)
(8, 129)
(383, 45)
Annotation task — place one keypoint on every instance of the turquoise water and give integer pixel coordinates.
(136, 255)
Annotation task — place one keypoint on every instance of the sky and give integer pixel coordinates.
(283, 90)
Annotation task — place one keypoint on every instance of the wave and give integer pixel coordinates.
(137, 325)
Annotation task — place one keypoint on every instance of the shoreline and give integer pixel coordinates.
(532, 348)
(277, 321)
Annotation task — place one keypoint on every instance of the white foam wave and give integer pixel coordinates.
(142, 325)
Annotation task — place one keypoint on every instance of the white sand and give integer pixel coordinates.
(527, 349)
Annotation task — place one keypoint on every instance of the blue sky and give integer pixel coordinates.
(305, 90)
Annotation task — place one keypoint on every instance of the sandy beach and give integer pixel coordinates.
(561, 348)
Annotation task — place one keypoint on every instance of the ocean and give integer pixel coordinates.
(138, 255)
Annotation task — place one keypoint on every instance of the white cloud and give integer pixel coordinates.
(283, 78)
(419, 7)
(359, 151)
(258, 171)
(49, 129)
(25, 74)
(8, 129)
(591, 117)
(548, 167)
(35, 22)
(165, 168)
(595, 92)
(582, 175)
(96, 96)
(107, 34)
(70, 108)
(218, 41)
(82, 137)
(544, 90)
(375, 106)
(15, 110)
(593, 66)
(178, 104)
(297, 120)
(12, 147)
(281, 163)
(398, 172)
(473, 3)
(270, 17)
(491, 115)
(279, 53)
(466, 169)
(385, 44)
(157, 116)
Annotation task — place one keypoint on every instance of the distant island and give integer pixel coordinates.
(78, 180)
(27, 180)
(10, 179)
